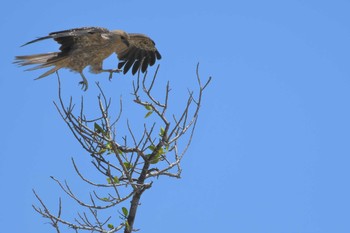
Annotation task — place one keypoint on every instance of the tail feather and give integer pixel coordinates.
(43, 60)
(35, 59)
(53, 70)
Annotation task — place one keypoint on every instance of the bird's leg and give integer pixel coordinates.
(84, 84)
(111, 71)
(97, 68)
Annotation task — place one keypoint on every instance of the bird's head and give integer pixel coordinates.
(121, 35)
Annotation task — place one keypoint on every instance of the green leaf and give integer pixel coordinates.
(105, 199)
(128, 165)
(152, 147)
(120, 152)
(148, 114)
(160, 151)
(109, 146)
(102, 150)
(155, 159)
(98, 128)
(110, 226)
(162, 131)
(125, 211)
(116, 180)
(148, 107)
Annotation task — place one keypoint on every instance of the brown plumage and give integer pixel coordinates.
(89, 46)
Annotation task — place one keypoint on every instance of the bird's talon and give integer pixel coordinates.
(84, 85)
(110, 76)
(111, 71)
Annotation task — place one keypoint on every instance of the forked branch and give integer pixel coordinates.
(126, 166)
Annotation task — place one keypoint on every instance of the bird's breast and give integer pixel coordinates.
(81, 58)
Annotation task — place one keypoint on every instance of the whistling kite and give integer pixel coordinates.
(89, 46)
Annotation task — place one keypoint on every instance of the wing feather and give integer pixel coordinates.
(76, 38)
(140, 53)
(121, 64)
(136, 66)
(158, 55)
(152, 58)
(75, 32)
(127, 66)
(145, 63)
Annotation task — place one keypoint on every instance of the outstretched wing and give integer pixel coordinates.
(74, 38)
(140, 53)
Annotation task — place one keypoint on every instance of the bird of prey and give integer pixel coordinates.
(89, 46)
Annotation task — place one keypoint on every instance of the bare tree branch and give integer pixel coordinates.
(125, 165)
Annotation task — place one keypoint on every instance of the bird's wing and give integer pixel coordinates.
(73, 37)
(140, 53)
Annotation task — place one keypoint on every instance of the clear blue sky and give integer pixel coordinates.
(272, 149)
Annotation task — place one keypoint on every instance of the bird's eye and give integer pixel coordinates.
(122, 37)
